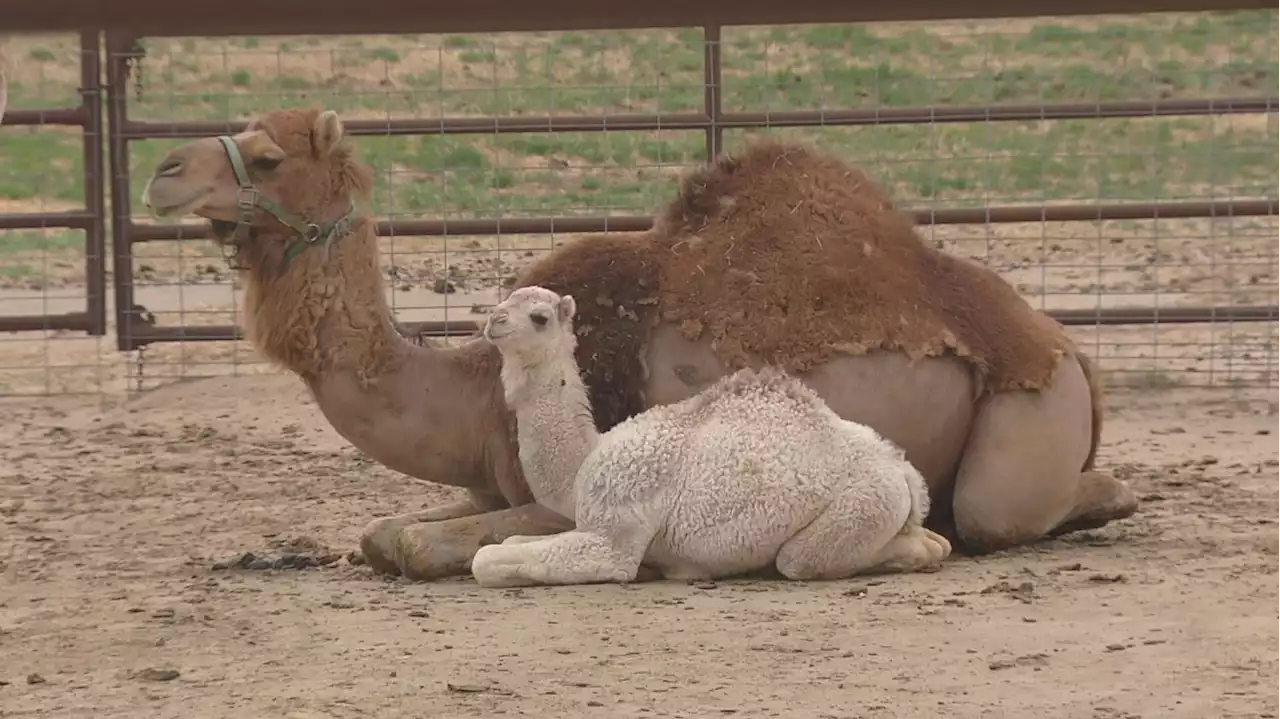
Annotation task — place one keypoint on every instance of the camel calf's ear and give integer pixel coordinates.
(327, 133)
(566, 308)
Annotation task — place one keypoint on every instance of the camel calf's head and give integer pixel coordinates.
(531, 322)
(289, 176)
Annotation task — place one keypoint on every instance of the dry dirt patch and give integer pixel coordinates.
(111, 519)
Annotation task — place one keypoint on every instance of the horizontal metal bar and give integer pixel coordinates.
(304, 17)
(1165, 315)
(436, 228)
(999, 113)
(1103, 316)
(73, 219)
(72, 321)
(640, 223)
(141, 130)
(46, 116)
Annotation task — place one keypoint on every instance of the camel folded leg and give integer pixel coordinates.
(442, 549)
(574, 557)
(378, 540)
(1020, 478)
(861, 532)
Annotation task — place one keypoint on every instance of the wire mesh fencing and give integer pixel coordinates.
(1115, 163)
(52, 218)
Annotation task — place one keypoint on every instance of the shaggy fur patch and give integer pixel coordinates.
(790, 255)
(614, 279)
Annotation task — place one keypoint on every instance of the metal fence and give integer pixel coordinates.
(1120, 170)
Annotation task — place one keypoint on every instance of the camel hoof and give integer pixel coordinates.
(1110, 499)
(497, 567)
(423, 553)
(936, 546)
(378, 545)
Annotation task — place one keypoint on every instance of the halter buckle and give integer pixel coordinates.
(247, 199)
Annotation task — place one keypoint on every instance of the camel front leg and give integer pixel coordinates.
(573, 557)
(378, 541)
(442, 549)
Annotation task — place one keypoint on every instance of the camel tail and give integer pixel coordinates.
(1095, 399)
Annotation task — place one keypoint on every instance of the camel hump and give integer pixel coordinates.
(789, 255)
(707, 192)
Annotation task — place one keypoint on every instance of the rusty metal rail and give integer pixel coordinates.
(92, 219)
(135, 328)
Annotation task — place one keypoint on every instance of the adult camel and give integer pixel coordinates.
(779, 254)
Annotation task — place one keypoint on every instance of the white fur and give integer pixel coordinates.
(726, 482)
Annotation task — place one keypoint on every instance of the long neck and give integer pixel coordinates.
(554, 424)
(325, 310)
(435, 413)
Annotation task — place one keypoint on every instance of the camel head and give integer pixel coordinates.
(288, 181)
(533, 322)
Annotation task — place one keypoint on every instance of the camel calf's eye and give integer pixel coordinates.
(538, 319)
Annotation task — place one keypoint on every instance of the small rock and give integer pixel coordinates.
(34, 678)
(856, 591)
(165, 613)
(442, 286)
(704, 584)
(466, 688)
(1116, 647)
(355, 558)
(418, 613)
(259, 564)
(153, 674)
(1107, 578)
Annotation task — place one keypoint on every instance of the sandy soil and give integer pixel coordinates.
(113, 517)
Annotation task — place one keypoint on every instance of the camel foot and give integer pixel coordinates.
(913, 550)
(378, 540)
(445, 549)
(1103, 499)
(568, 558)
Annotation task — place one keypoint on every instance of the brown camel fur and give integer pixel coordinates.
(780, 254)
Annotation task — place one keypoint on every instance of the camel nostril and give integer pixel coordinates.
(168, 168)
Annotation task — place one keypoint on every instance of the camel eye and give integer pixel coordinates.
(538, 319)
(267, 163)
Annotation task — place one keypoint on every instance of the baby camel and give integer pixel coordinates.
(726, 482)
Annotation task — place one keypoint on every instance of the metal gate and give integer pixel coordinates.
(91, 219)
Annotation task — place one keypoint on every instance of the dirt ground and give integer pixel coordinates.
(112, 519)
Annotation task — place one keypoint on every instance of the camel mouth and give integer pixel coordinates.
(222, 230)
(174, 210)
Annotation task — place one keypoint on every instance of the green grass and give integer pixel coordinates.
(777, 68)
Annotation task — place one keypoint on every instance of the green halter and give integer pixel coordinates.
(250, 197)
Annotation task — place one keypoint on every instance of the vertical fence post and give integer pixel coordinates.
(712, 96)
(95, 269)
(118, 50)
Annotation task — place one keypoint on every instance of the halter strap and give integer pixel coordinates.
(248, 197)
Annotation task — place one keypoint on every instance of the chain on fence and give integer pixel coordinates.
(1111, 164)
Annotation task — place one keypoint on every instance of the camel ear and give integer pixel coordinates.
(327, 133)
(566, 308)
